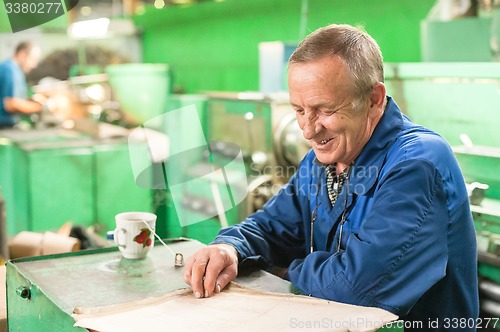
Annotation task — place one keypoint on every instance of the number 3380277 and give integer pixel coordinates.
(33, 8)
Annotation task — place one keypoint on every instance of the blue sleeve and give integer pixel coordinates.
(6, 86)
(399, 252)
(273, 235)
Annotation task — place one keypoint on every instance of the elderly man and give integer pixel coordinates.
(377, 213)
(13, 89)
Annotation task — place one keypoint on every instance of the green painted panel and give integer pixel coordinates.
(443, 72)
(4, 19)
(183, 132)
(19, 216)
(61, 187)
(481, 164)
(38, 313)
(466, 39)
(214, 46)
(226, 122)
(450, 100)
(395, 24)
(490, 272)
(116, 189)
(206, 228)
(6, 179)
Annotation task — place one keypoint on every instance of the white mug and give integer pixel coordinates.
(135, 233)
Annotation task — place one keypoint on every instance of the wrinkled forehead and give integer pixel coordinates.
(328, 75)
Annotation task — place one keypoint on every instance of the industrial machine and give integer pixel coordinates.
(254, 139)
(480, 166)
(53, 176)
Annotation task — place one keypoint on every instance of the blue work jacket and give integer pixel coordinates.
(408, 243)
(12, 84)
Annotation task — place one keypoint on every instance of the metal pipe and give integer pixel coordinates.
(490, 289)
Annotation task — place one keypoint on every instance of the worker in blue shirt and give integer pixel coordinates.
(377, 213)
(13, 88)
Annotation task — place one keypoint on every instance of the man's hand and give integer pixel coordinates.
(210, 269)
(12, 104)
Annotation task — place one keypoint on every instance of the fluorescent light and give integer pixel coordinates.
(159, 4)
(89, 29)
(85, 10)
(101, 28)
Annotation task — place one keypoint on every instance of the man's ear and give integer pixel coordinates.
(378, 95)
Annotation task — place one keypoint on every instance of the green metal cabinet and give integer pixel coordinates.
(46, 179)
(50, 177)
(57, 185)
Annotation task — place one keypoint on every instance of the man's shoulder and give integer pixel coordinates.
(415, 141)
(7, 63)
(422, 145)
(6, 66)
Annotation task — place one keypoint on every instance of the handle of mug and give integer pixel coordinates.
(117, 233)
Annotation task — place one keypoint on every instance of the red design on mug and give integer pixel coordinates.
(144, 237)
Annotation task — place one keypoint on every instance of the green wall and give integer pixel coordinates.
(214, 45)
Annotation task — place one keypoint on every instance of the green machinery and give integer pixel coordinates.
(461, 102)
(216, 117)
(53, 176)
(186, 126)
(244, 136)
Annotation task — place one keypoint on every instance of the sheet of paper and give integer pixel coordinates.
(235, 309)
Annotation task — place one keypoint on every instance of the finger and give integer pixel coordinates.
(225, 277)
(187, 269)
(197, 274)
(216, 265)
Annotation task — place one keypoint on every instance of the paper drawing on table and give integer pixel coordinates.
(235, 308)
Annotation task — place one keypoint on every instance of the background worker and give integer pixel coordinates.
(13, 87)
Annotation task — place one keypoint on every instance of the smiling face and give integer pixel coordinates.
(322, 95)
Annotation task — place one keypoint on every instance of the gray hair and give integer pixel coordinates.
(354, 46)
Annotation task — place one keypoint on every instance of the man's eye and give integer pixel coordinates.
(299, 111)
(327, 111)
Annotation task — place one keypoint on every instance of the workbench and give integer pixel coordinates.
(42, 292)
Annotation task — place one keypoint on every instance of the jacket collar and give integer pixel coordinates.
(369, 163)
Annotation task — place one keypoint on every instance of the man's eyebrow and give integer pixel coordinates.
(316, 106)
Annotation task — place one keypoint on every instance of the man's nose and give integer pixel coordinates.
(311, 127)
